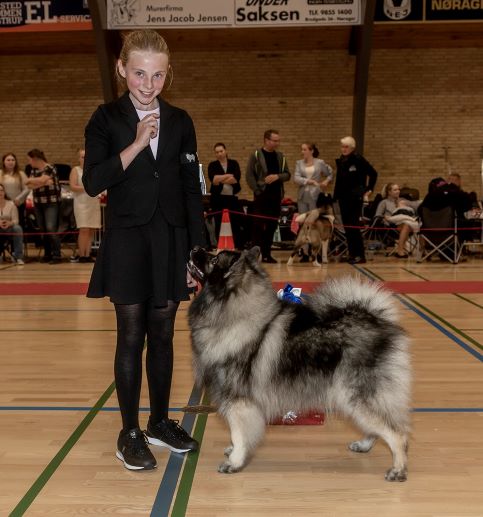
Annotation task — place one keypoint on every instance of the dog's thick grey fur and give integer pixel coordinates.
(342, 351)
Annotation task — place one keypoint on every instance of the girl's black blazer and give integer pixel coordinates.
(170, 181)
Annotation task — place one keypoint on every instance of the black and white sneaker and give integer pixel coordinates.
(168, 433)
(133, 450)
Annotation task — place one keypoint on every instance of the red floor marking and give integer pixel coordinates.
(42, 288)
(420, 287)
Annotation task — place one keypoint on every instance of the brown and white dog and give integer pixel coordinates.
(316, 231)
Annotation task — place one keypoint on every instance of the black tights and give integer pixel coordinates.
(134, 323)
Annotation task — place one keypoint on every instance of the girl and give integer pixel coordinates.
(9, 226)
(143, 151)
(311, 175)
(225, 174)
(14, 180)
(87, 212)
(388, 208)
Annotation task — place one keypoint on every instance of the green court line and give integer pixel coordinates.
(415, 274)
(184, 488)
(49, 470)
(469, 301)
(456, 330)
(373, 274)
(435, 316)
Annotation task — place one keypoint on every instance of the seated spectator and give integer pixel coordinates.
(224, 174)
(87, 212)
(442, 194)
(399, 212)
(455, 179)
(44, 182)
(15, 182)
(9, 227)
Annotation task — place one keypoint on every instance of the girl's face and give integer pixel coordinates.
(9, 163)
(306, 152)
(220, 153)
(145, 73)
(394, 191)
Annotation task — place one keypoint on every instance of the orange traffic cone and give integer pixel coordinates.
(225, 240)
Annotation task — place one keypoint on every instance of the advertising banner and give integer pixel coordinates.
(428, 10)
(123, 14)
(44, 15)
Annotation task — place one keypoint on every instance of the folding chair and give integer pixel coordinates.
(338, 243)
(438, 234)
(378, 235)
(6, 251)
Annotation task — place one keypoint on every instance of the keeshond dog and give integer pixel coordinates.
(341, 350)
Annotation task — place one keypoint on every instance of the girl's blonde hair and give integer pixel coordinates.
(387, 188)
(142, 40)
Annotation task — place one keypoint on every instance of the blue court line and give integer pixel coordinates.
(431, 321)
(446, 332)
(192, 415)
(167, 488)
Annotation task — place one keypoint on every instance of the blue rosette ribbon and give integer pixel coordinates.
(290, 294)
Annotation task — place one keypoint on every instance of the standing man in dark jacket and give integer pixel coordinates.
(267, 169)
(355, 181)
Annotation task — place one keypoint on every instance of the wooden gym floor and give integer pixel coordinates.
(59, 419)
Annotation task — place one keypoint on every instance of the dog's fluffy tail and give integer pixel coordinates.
(351, 290)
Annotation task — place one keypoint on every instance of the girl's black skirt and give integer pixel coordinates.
(142, 263)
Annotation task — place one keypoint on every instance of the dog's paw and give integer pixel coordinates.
(227, 468)
(359, 446)
(396, 475)
(316, 263)
(290, 261)
(325, 260)
(228, 450)
(363, 445)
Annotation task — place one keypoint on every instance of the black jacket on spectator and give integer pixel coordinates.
(355, 177)
(442, 194)
(215, 168)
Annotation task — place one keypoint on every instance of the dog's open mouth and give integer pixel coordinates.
(195, 271)
(197, 254)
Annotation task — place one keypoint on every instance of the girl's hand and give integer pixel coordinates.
(147, 128)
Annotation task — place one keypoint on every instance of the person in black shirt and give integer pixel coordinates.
(224, 174)
(267, 169)
(355, 181)
(142, 150)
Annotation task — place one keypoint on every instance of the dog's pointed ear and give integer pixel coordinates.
(253, 254)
